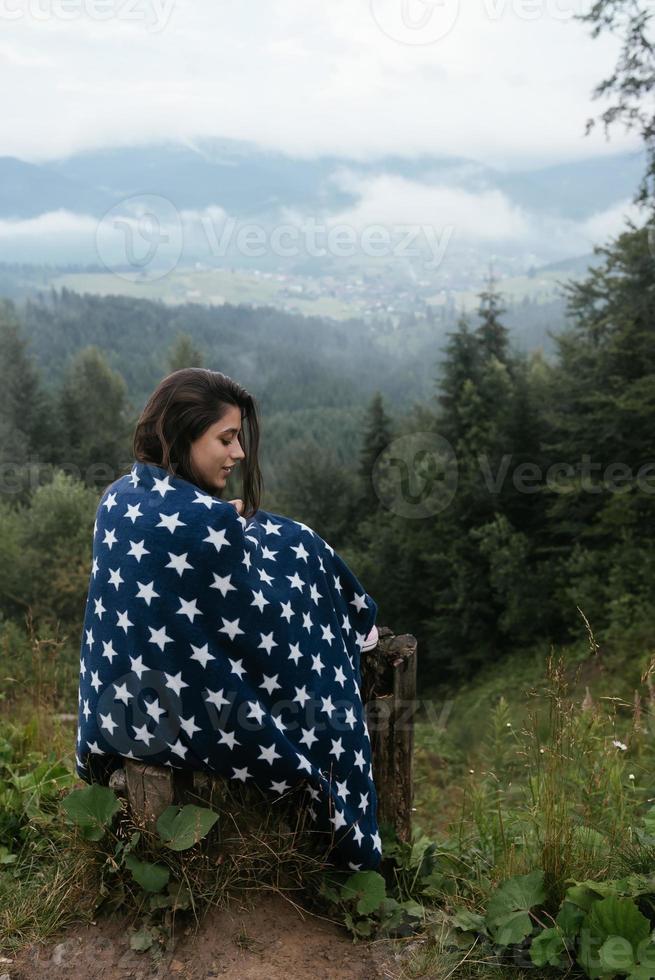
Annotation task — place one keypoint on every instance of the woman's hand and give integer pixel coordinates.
(238, 503)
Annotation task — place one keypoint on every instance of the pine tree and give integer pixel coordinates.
(94, 416)
(184, 354)
(492, 335)
(376, 439)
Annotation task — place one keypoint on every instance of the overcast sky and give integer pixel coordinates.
(506, 82)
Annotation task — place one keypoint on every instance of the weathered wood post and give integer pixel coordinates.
(388, 694)
(389, 697)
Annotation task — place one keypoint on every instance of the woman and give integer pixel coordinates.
(220, 637)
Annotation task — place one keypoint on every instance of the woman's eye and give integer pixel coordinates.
(225, 443)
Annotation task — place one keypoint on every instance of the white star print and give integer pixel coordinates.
(137, 549)
(175, 682)
(269, 754)
(338, 819)
(302, 695)
(327, 705)
(121, 693)
(223, 584)
(108, 651)
(115, 577)
(106, 721)
(170, 521)
(133, 511)
(204, 498)
(153, 709)
(327, 634)
(267, 642)
(259, 599)
(216, 698)
(228, 738)
(189, 608)
(142, 734)
(110, 538)
(147, 592)
(162, 486)
(256, 711)
(301, 552)
(295, 654)
(237, 667)
(231, 628)
(217, 538)
(270, 683)
(342, 789)
(160, 637)
(265, 577)
(307, 622)
(123, 620)
(178, 748)
(178, 562)
(189, 725)
(287, 611)
(137, 665)
(337, 748)
(201, 654)
(308, 737)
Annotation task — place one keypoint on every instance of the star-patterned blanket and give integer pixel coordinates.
(229, 645)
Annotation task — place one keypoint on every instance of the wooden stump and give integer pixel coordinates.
(388, 694)
(389, 697)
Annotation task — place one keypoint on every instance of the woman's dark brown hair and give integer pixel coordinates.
(183, 406)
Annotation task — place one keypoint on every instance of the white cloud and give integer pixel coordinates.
(503, 86)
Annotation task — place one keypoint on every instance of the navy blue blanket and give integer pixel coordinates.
(231, 646)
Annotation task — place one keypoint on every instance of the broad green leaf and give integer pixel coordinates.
(616, 954)
(92, 809)
(507, 912)
(615, 918)
(368, 888)
(469, 921)
(6, 857)
(618, 917)
(569, 918)
(181, 828)
(151, 877)
(142, 940)
(547, 948)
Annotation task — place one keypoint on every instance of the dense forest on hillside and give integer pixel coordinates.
(476, 573)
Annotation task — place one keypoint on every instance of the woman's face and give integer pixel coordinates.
(217, 448)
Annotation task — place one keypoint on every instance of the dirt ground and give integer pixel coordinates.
(272, 940)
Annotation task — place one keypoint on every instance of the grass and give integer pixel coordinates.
(543, 763)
